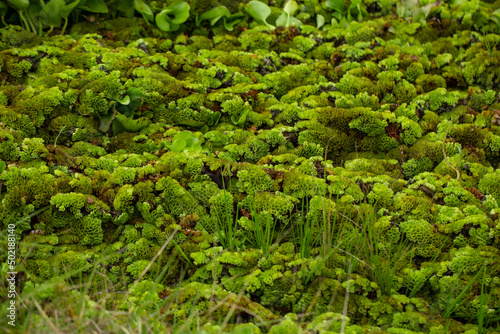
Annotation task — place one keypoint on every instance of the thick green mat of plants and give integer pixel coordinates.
(288, 180)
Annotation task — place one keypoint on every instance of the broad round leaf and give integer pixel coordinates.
(281, 20)
(134, 93)
(178, 145)
(163, 21)
(50, 13)
(295, 21)
(290, 7)
(191, 141)
(181, 12)
(320, 21)
(185, 135)
(195, 148)
(258, 10)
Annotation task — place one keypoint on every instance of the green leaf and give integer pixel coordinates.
(214, 15)
(94, 6)
(125, 101)
(144, 9)
(214, 118)
(134, 93)
(400, 10)
(290, 7)
(360, 13)
(178, 145)
(320, 21)
(337, 15)
(122, 123)
(185, 140)
(106, 120)
(295, 21)
(123, 6)
(418, 15)
(427, 8)
(134, 104)
(260, 12)
(122, 109)
(240, 121)
(196, 147)
(181, 12)
(455, 3)
(163, 21)
(19, 5)
(192, 141)
(67, 9)
(282, 20)
(50, 13)
(337, 5)
(167, 144)
(233, 20)
(184, 135)
(2, 166)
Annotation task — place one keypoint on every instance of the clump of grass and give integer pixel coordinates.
(264, 228)
(383, 259)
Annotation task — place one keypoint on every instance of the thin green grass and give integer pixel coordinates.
(306, 229)
(264, 227)
(417, 287)
(226, 227)
(453, 303)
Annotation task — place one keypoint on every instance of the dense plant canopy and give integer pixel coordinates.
(252, 167)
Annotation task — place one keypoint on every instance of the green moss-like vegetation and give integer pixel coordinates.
(300, 180)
